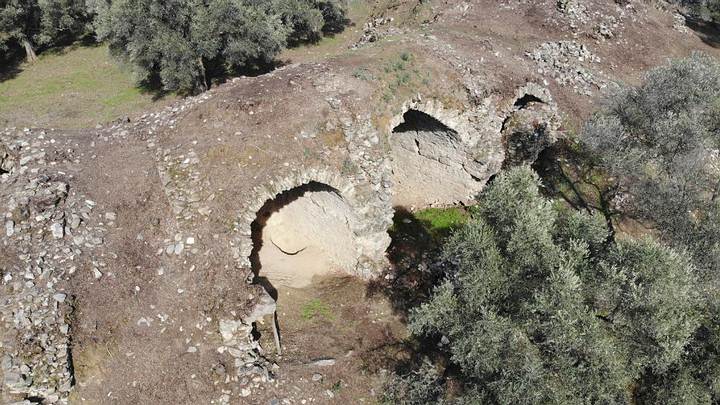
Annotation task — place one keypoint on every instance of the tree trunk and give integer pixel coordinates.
(29, 51)
(205, 85)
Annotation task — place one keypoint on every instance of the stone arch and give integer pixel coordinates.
(302, 227)
(530, 125)
(432, 157)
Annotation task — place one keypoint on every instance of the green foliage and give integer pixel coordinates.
(702, 8)
(183, 44)
(538, 306)
(41, 23)
(176, 42)
(309, 19)
(420, 387)
(315, 308)
(660, 140)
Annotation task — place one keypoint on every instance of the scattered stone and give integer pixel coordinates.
(565, 62)
(96, 273)
(58, 231)
(680, 23)
(74, 221)
(322, 363)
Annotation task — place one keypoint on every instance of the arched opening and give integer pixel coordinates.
(302, 233)
(430, 165)
(304, 246)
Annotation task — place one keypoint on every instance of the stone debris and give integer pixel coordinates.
(575, 11)
(373, 31)
(680, 23)
(39, 209)
(7, 160)
(322, 363)
(183, 185)
(566, 62)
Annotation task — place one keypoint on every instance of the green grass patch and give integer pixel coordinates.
(427, 227)
(75, 87)
(316, 308)
(440, 222)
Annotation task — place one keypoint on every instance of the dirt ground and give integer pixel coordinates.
(333, 321)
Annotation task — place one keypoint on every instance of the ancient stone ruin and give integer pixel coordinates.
(144, 253)
(240, 198)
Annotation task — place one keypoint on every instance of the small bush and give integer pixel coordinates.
(419, 387)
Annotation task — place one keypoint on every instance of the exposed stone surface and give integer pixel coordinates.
(531, 126)
(308, 236)
(7, 161)
(432, 165)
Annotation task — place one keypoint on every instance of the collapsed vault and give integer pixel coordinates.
(302, 233)
(430, 163)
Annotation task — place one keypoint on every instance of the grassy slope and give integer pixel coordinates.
(73, 88)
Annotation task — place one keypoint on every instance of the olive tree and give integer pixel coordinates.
(183, 44)
(38, 24)
(539, 306)
(660, 141)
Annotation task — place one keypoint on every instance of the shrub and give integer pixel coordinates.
(538, 306)
(419, 387)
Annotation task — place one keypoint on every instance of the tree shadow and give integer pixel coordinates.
(707, 30)
(10, 64)
(412, 253)
(567, 172)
